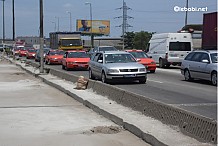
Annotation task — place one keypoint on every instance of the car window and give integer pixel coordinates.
(77, 55)
(214, 58)
(204, 56)
(180, 46)
(197, 57)
(139, 54)
(119, 58)
(95, 58)
(100, 57)
(189, 56)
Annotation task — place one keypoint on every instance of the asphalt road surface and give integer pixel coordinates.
(168, 86)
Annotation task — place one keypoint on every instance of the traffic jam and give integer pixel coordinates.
(108, 64)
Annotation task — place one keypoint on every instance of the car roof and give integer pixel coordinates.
(134, 50)
(114, 52)
(106, 46)
(208, 51)
(76, 51)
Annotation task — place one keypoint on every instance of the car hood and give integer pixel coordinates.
(78, 59)
(123, 65)
(146, 60)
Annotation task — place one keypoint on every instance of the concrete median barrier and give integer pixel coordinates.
(196, 126)
(111, 92)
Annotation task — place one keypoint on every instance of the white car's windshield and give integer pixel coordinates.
(119, 58)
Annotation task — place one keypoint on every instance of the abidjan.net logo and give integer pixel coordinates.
(190, 9)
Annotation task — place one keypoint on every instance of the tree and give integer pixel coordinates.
(129, 40)
(141, 39)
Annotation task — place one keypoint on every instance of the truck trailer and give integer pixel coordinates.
(209, 34)
(66, 40)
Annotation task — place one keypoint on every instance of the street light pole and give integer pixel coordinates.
(41, 38)
(92, 36)
(3, 21)
(58, 22)
(70, 21)
(186, 13)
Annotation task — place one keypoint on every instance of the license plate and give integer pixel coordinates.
(127, 76)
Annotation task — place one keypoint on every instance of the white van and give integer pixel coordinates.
(169, 48)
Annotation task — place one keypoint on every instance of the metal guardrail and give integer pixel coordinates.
(201, 128)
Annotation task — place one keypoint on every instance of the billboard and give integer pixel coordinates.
(98, 26)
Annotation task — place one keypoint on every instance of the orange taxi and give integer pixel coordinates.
(31, 53)
(144, 59)
(75, 60)
(54, 57)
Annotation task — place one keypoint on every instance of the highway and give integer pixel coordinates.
(168, 86)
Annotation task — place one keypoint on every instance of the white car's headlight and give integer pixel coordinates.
(113, 71)
(142, 69)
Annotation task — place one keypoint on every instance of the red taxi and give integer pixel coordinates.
(54, 57)
(144, 59)
(31, 53)
(75, 59)
(22, 52)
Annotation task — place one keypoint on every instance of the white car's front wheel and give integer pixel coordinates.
(214, 78)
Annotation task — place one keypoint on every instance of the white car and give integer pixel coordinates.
(201, 64)
(116, 65)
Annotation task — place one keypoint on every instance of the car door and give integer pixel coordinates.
(204, 67)
(194, 65)
(99, 65)
(93, 63)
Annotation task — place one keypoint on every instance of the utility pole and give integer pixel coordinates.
(186, 14)
(41, 38)
(92, 36)
(3, 21)
(125, 24)
(13, 20)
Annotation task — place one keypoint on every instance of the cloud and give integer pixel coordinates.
(67, 5)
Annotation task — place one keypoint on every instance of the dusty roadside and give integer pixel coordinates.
(33, 113)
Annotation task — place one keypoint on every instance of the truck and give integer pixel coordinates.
(66, 40)
(209, 34)
(169, 48)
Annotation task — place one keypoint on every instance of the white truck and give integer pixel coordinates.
(66, 40)
(169, 48)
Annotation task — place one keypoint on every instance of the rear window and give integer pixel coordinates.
(180, 46)
(139, 54)
(77, 55)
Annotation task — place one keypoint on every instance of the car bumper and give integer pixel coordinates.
(77, 66)
(127, 76)
(174, 60)
(55, 61)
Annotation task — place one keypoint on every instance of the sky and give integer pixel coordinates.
(148, 15)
